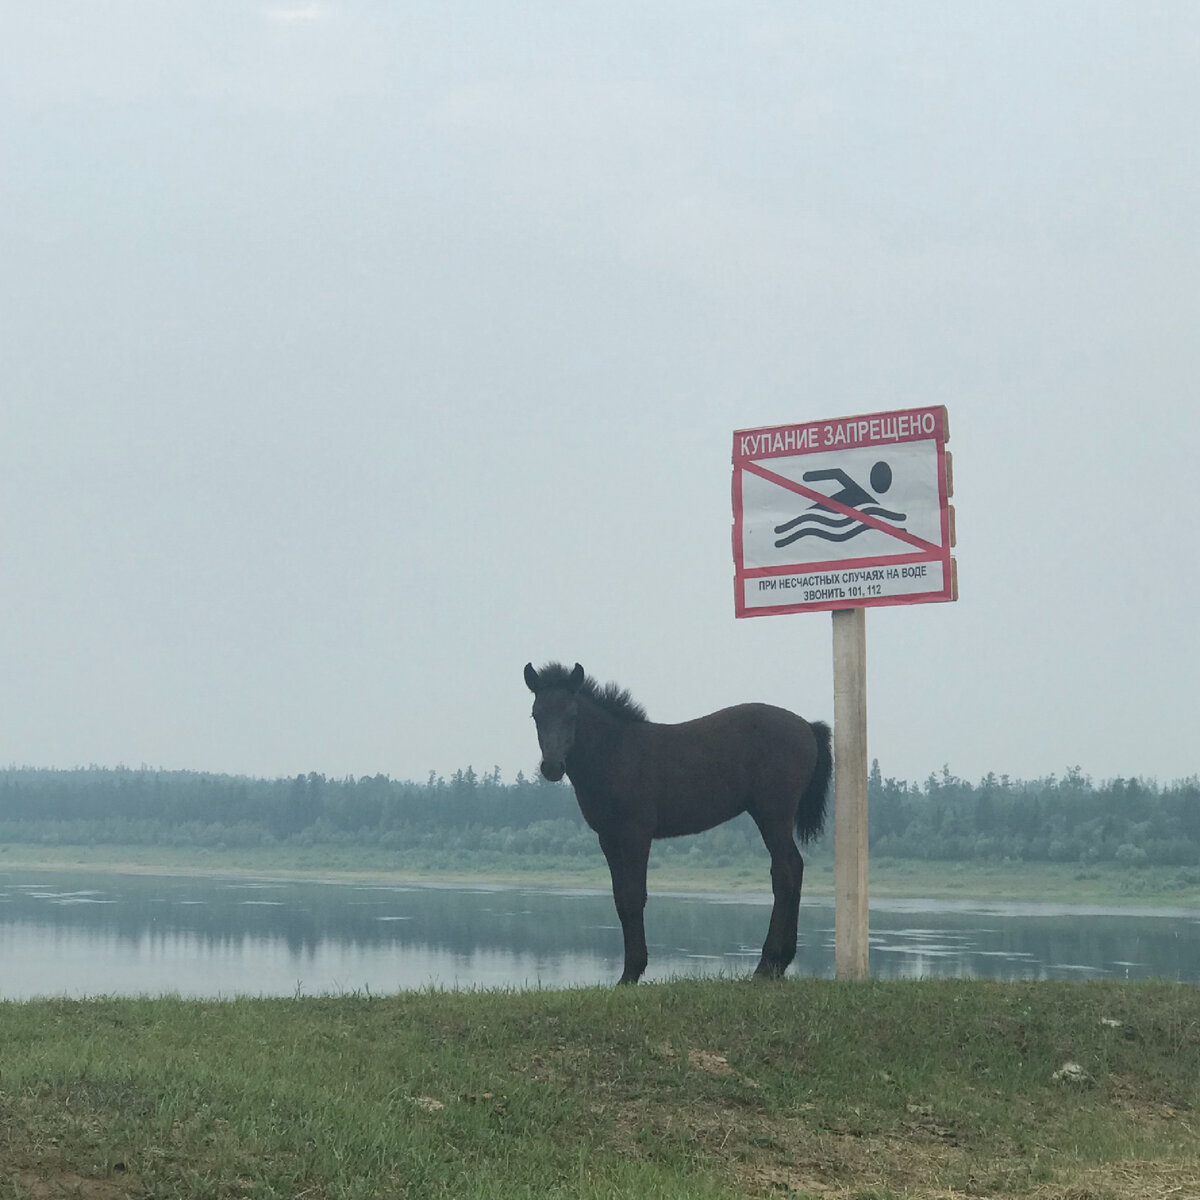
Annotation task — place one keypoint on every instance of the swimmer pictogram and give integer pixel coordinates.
(819, 520)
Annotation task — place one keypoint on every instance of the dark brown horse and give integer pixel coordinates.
(636, 781)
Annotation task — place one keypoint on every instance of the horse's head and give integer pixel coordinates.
(555, 712)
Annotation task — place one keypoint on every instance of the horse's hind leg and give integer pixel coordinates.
(628, 855)
(787, 876)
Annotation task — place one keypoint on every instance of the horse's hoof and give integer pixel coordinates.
(768, 970)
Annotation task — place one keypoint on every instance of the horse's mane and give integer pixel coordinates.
(614, 699)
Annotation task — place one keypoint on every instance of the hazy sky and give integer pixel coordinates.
(353, 354)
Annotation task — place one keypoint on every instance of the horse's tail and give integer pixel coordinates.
(810, 812)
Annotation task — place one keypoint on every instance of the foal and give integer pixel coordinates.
(636, 780)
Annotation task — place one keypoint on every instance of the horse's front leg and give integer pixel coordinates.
(628, 855)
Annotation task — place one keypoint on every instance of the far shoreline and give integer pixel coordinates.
(1067, 883)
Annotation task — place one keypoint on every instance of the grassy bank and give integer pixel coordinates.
(688, 1089)
(1058, 882)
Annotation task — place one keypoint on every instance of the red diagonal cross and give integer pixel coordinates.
(837, 506)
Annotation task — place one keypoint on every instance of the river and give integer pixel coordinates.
(80, 934)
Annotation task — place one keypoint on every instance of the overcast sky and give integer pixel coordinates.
(353, 354)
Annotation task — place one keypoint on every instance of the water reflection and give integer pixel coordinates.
(86, 934)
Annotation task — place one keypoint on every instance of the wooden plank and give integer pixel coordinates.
(851, 922)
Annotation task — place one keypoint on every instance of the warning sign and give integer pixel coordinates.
(847, 513)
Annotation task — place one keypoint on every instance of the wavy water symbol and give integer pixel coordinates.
(832, 529)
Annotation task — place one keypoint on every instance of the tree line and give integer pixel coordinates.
(1134, 822)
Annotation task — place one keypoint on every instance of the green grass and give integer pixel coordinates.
(716, 1088)
(1066, 883)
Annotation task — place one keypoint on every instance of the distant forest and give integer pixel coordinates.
(478, 820)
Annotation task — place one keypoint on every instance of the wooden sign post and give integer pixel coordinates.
(845, 515)
(851, 932)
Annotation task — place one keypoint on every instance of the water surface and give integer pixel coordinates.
(81, 934)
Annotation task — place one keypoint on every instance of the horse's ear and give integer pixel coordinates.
(531, 677)
(576, 678)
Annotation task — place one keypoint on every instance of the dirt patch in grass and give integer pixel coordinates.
(920, 1158)
(1136, 1180)
(710, 1061)
(769, 1156)
(51, 1183)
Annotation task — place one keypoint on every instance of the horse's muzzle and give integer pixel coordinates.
(552, 771)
